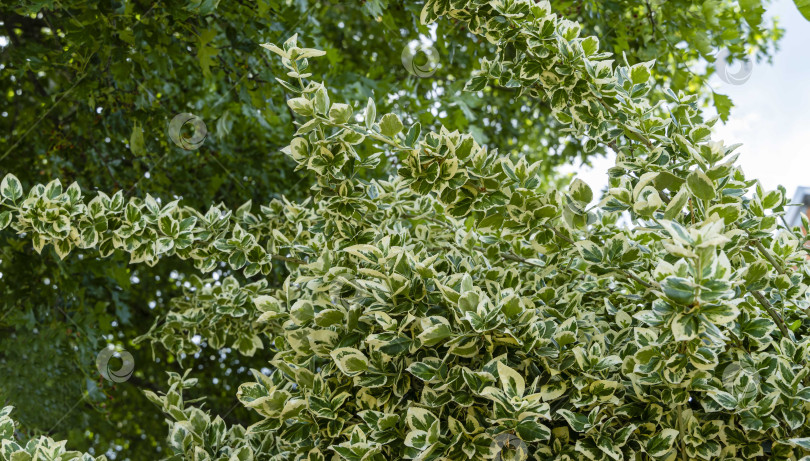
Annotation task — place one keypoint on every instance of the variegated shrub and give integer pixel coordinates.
(462, 299)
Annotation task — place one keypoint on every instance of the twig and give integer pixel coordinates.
(289, 260)
(516, 258)
(40, 118)
(768, 256)
(651, 18)
(639, 280)
(558, 233)
(772, 312)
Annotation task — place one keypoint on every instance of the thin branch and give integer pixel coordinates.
(558, 233)
(289, 260)
(514, 257)
(639, 280)
(651, 18)
(772, 312)
(768, 256)
(431, 219)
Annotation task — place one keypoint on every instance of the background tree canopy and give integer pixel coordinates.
(88, 93)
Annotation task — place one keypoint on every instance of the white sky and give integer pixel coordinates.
(771, 114)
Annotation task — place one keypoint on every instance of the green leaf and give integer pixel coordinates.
(340, 113)
(350, 361)
(275, 49)
(370, 114)
(511, 381)
(607, 446)
(581, 192)
(390, 125)
(803, 442)
(677, 232)
(136, 143)
(679, 289)
(427, 370)
(590, 45)
(298, 149)
(321, 101)
(530, 430)
(310, 53)
(435, 334)
(477, 83)
(589, 251)
(724, 399)
(10, 188)
(804, 8)
(700, 185)
(661, 443)
(752, 11)
(639, 73)
(206, 54)
(723, 104)
(675, 206)
(5, 219)
(578, 422)
(420, 419)
(553, 390)
(309, 126)
(685, 327)
(413, 134)
(720, 314)
(772, 199)
(301, 106)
